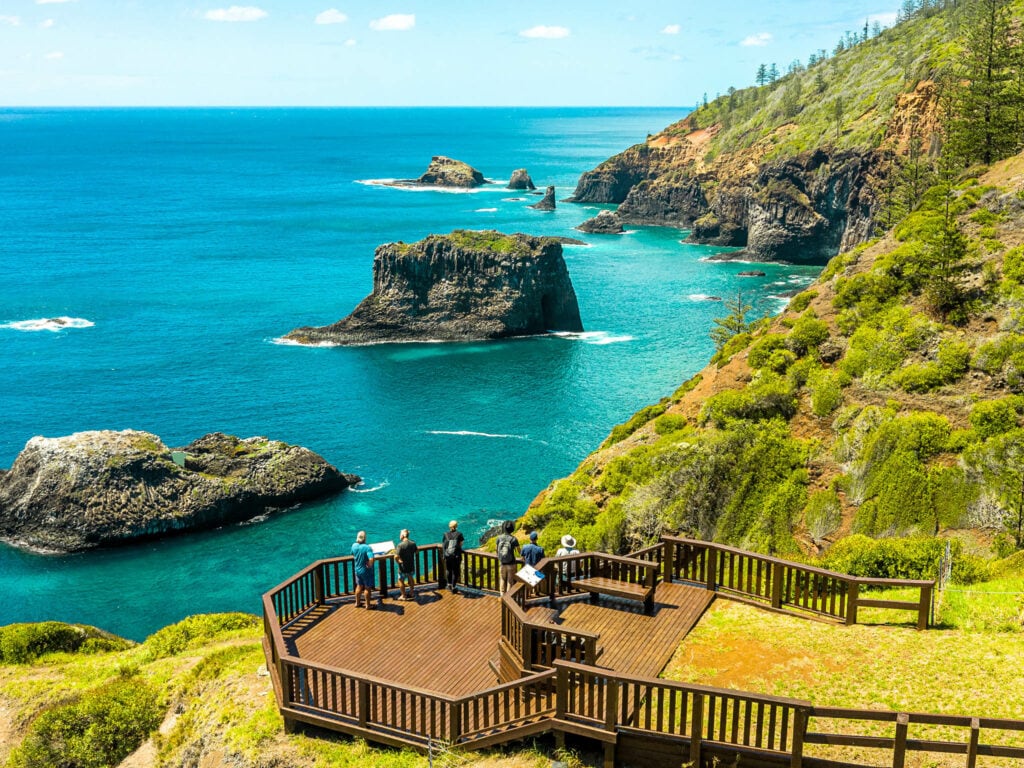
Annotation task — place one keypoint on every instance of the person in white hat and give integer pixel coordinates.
(568, 570)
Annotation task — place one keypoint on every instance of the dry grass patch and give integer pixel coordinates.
(864, 667)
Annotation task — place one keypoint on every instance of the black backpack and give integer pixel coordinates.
(505, 555)
(451, 546)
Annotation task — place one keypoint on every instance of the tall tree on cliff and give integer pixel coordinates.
(984, 126)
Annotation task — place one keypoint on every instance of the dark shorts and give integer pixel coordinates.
(364, 578)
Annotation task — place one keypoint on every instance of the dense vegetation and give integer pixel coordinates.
(887, 400)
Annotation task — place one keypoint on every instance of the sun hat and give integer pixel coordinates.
(533, 535)
(568, 541)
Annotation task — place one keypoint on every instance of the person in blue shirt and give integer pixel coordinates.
(532, 553)
(362, 557)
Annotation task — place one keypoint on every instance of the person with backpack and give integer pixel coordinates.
(405, 554)
(451, 551)
(362, 561)
(507, 549)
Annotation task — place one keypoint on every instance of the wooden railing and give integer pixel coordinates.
(782, 584)
(564, 691)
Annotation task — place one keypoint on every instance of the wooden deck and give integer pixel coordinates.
(441, 643)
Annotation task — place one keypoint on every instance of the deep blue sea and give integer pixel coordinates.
(182, 242)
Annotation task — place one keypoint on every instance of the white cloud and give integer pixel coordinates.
(12, 20)
(396, 22)
(350, 42)
(331, 16)
(51, 2)
(546, 33)
(758, 40)
(47, 23)
(54, 55)
(885, 19)
(671, 29)
(235, 13)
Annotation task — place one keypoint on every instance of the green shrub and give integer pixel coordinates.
(637, 420)
(767, 397)
(918, 378)
(826, 391)
(1013, 264)
(670, 422)
(762, 350)
(98, 730)
(735, 344)
(954, 358)
(195, 630)
(994, 417)
(823, 514)
(808, 332)
(801, 300)
(907, 558)
(23, 643)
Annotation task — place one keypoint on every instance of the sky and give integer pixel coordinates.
(406, 52)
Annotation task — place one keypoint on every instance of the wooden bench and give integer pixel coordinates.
(602, 585)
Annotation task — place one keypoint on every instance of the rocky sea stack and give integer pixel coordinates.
(446, 172)
(459, 287)
(548, 201)
(605, 223)
(92, 489)
(521, 180)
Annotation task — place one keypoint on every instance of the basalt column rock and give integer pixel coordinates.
(548, 203)
(458, 287)
(605, 223)
(92, 489)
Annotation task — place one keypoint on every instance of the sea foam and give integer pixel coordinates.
(593, 337)
(49, 324)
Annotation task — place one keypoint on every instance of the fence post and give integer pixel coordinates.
(527, 649)
(318, 585)
(364, 702)
(799, 731)
(851, 602)
(668, 562)
(456, 722)
(611, 704)
(899, 750)
(561, 692)
(711, 569)
(972, 745)
(696, 728)
(777, 573)
(924, 606)
(382, 575)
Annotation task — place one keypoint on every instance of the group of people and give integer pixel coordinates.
(507, 546)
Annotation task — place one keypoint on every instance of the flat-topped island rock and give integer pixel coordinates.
(464, 286)
(445, 172)
(91, 489)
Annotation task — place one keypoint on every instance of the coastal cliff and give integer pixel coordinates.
(92, 489)
(462, 286)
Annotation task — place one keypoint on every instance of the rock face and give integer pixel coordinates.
(605, 223)
(548, 202)
(458, 287)
(803, 209)
(92, 489)
(446, 172)
(521, 180)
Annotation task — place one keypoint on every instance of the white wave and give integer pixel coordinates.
(407, 186)
(377, 487)
(254, 520)
(593, 337)
(470, 433)
(703, 297)
(282, 341)
(485, 210)
(512, 199)
(49, 324)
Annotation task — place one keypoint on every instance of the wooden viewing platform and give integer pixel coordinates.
(476, 669)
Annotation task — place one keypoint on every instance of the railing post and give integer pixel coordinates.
(561, 692)
(382, 576)
(972, 745)
(924, 606)
(318, 584)
(851, 602)
(777, 574)
(364, 702)
(711, 569)
(441, 566)
(696, 728)
(799, 731)
(456, 722)
(611, 704)
(668, 561)
(899, 750)
(527, 649)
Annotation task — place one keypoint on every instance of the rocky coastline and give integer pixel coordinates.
(102, 488)
(445, 172)
(468, 285)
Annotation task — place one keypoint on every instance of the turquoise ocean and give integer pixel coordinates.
(179, 244)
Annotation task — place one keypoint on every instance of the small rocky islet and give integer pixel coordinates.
(100, 488)
(465, 286)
